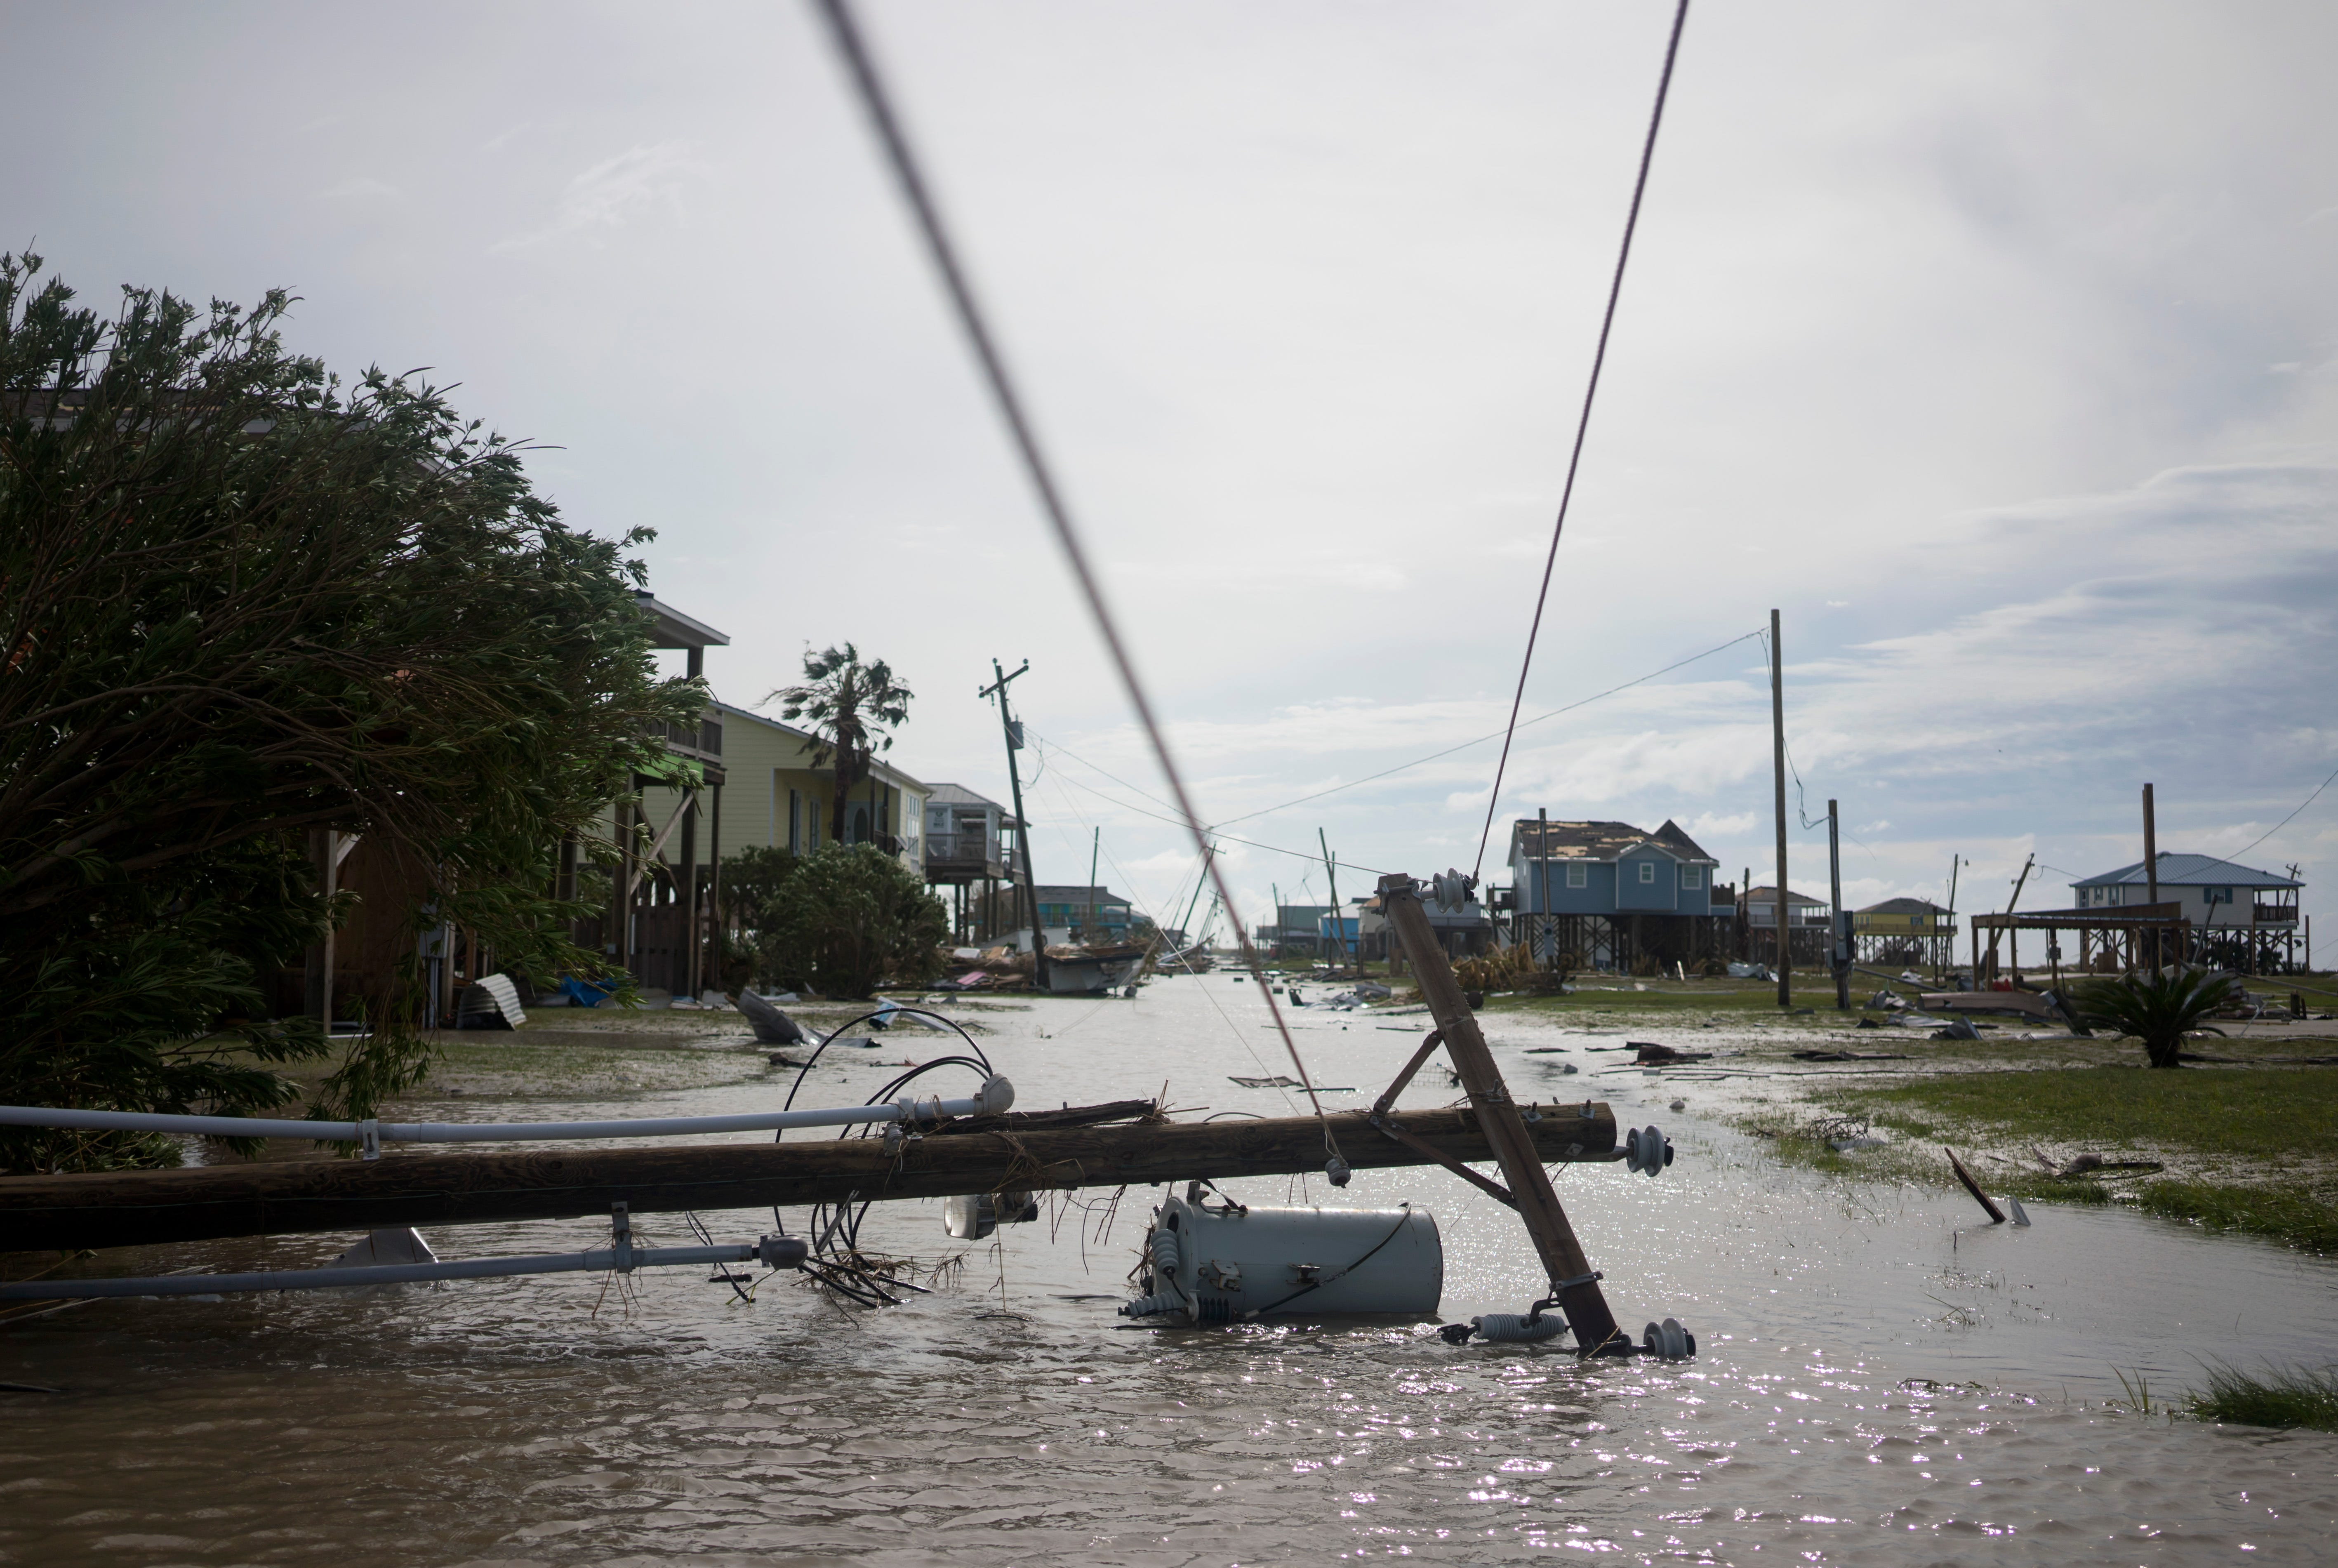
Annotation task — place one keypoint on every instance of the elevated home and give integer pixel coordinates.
(971, 847)
(1082, 914)
(1900, 931)
(736, 779)
(1610, 895)
(2242, 918)
(1463, 933)
(1806, 925)
(658, 925)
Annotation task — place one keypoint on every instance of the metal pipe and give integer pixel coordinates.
(997, 1096)
(607, 1257)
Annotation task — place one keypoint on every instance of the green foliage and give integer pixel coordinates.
(847, 705)
(2155, 1008)
(2287, 1212)
(2284, 1397)
(848, 918)
(243, 601)
(751, 880)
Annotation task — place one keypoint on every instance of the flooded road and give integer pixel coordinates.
(1881, 1379)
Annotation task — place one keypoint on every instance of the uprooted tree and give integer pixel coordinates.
(241, 601)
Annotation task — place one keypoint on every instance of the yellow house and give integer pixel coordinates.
(759, 788)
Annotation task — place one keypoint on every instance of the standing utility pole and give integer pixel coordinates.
(1778, 749)
(1841, 951)
(2151, 869)
(1014, 736)
(1543, 922)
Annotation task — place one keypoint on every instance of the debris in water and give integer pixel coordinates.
(1996, 1214)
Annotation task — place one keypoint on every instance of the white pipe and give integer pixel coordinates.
(997, 1096)
(381, 1274)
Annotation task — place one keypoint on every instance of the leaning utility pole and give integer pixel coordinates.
(1574, 1283)
(1339, 933)
(1778, 758)
(1096, 847)
(1013, 732)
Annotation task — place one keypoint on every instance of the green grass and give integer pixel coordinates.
(2291, 1213)
(2287, 1398)
(2283, 1124)
(2245, 1110)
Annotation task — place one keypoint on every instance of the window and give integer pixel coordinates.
(1649, 871)
(1579, 876)
(1691, 875)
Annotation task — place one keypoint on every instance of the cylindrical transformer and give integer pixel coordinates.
(1228, 1263)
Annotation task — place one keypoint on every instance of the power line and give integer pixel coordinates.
(846, 32)
(1583, 422)
(1418, 761)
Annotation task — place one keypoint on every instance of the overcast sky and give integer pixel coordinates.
(1994, 344)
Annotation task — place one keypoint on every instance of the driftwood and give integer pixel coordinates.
(131, 1208)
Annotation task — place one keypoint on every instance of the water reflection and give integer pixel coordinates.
(1881, 1381)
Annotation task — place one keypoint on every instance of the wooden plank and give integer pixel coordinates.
(131, 1207)
(1516, 1145)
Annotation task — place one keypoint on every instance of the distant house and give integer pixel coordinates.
(2241, 916)
(1760, 909)
(1902, 931)
(777, 798)
(1063, 911)
(1462, 932)
(1613, 895)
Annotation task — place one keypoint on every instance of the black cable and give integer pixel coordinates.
(846, 32)
(1583, 424)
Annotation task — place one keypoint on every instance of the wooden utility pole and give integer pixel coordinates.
(1544, 922)
(1839, 939)
(1950, 948)
(2151, 869)
(1012, 733)
(2018, 883)
(1339, 933)
(1778, 768)
(1574, 1287)
(1096, 847)
(1047, 1150)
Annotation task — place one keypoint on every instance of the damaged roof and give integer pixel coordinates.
(1602, 841)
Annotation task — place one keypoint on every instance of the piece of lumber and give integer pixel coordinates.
(134, 1208)
(1996, 1214)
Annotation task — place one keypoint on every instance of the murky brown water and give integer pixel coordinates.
(1881, 1380)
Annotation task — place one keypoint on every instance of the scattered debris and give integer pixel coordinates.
(1845, 1056)
(1996, 1214)
(1959, 1029)
(492, 1003)
(1652, 1054)
(771, 1026)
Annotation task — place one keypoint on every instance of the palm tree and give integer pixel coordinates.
(848, 706)
(2156, 1008)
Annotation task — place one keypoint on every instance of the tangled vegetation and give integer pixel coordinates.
(838, 921)
(243, 602)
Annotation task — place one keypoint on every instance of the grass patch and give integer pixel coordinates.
(2278, 1399)
(2211, 1109)
(2293, 1214)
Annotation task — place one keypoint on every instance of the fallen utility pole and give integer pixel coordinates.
(976, 1155)
(1518, 1145)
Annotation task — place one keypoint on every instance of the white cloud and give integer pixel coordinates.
(642, 181)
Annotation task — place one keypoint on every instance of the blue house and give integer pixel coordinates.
(1608, 895)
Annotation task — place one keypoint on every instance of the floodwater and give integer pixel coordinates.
(1882, 1380)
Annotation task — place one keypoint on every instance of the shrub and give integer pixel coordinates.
(849, 916)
